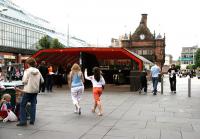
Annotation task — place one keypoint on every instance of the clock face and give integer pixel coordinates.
(142, 36)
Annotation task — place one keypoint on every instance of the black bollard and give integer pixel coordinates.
(162, 85)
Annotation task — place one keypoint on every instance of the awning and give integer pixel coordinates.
(71, 55)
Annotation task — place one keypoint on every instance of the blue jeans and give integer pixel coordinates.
(32, 98)
(155, 83)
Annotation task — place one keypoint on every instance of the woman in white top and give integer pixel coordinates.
(76, 81)
(98, 83)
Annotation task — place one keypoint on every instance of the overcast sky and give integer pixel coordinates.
(97, 21)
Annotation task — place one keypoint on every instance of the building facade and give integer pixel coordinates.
(187, 56)
(20, 32)
(168, 59)
(146, 44)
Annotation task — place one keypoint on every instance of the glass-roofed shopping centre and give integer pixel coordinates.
(20, 32)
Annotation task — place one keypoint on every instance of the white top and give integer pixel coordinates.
(94, 82)
(31, 80)
(155, 71)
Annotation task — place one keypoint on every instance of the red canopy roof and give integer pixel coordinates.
(71, 55)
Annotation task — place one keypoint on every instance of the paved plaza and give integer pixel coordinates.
(127, 115)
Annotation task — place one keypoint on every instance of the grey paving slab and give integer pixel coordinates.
(118, 137)
(92, 136)
(100, 130)
(127, 115)
(170, 134)
(131, 124)
(135, 133)
(54, 135)
(15, 133)
(190, 135)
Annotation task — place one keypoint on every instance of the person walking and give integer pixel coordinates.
(31, 80)
(155, 71)
(172, 78)
(98, 84)
(44, 71)
(50, 76)
(143, 81)
(76, 80)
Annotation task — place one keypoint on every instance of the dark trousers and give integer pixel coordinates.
(155, 84)
(172, 84)
(49, 83)
(144, 85)
(43, 86)
(32, 98)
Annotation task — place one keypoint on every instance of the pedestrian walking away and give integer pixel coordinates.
(155, 71)
(31, 80)
(76, 80)
(98, 84)
(172, 78)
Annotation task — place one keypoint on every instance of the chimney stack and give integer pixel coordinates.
(144, 20)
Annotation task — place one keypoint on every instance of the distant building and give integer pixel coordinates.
(187, 56)
(115, 42)
(146, 44)
(168, 59)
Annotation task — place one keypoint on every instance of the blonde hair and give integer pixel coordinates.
(5, 96)
(75, 68)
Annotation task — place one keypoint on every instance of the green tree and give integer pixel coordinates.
(191, 66)
(44, 43)
(178, 67)
(56, 44)
(197, 58)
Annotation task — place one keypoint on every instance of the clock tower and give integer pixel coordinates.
(146, 44)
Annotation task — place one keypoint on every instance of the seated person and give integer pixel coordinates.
(7, 109)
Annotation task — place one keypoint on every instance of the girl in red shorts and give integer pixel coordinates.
(98, 83)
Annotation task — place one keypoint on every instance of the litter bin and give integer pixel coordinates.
(135, 80)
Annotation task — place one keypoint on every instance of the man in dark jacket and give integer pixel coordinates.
(172, 78)
(44, 71)
(143, 81)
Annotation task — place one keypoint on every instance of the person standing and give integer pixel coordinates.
(143, 81)
(172, 78)
(44, 71)
(50, 76)
(76, 80)
(98, 83)
(155, 71)
(31, 80)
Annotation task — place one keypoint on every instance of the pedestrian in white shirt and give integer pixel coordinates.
(98, 83)
(31, 80)
(155, 71)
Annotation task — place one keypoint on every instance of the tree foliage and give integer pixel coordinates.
(191, 66)
(197, 58)
(178, 67)
(46, 42)
(56, 44)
